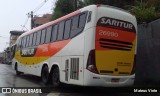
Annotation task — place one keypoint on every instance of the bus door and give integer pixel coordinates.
(115, 44)
(73, 69)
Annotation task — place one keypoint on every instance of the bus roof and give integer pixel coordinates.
(67, 16)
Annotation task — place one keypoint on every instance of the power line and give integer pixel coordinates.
(40, 6)
(30, 14)
(24, 26)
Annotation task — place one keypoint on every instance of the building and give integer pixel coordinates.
(6, 57)
(13, 36)
(1, 57)
(37, 21)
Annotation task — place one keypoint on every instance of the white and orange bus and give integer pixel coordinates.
(93, 46)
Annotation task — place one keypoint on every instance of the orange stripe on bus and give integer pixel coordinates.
(51, 48)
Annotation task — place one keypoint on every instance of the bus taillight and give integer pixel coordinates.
(91, 66)
(134, 66)
(98, 5)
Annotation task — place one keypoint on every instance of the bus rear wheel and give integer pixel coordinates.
(45, 74)
(55, 77)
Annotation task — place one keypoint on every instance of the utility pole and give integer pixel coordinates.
(32, 21)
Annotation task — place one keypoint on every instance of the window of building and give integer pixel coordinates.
(54, 33)
(48, 34)
(43, 36)
(67, 29)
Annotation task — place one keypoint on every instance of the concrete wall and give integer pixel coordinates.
(148, 54)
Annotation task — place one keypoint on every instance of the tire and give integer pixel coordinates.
(55, 77)
(45, 75)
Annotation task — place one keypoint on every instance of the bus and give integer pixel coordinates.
(93, 46)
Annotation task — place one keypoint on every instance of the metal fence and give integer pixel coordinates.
(148, 54)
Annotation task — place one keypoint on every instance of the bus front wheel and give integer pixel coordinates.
(17, 72)
(45, 74)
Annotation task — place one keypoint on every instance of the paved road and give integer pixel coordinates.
(8, 78)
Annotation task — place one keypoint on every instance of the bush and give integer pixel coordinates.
(144, 13)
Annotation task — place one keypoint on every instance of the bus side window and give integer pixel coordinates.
(54, 33)
(78, 23)
(82, 20)
(74, 29)
(60, 31)
(48, 34)
(27, 41)
(31, 40)
(24, 41)
(34, 38)
(67, 29)
(43, 36)
(38, 38)
(19, 44)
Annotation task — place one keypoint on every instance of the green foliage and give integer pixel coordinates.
(62, 7)
(116, 3)
(157, 6)
(89, 2)
(57, 14)
(80, 4)
(144, 13)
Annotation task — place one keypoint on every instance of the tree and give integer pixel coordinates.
(63, 7)
(117, 3)
(144, 11)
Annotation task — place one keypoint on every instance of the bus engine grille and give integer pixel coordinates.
(115, 44)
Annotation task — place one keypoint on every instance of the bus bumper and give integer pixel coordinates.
(92, 79)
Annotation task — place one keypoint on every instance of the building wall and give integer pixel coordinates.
(13, 39)
(41, 20)
(1, 57)
(7, 52)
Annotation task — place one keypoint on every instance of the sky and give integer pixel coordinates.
(14, 15)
